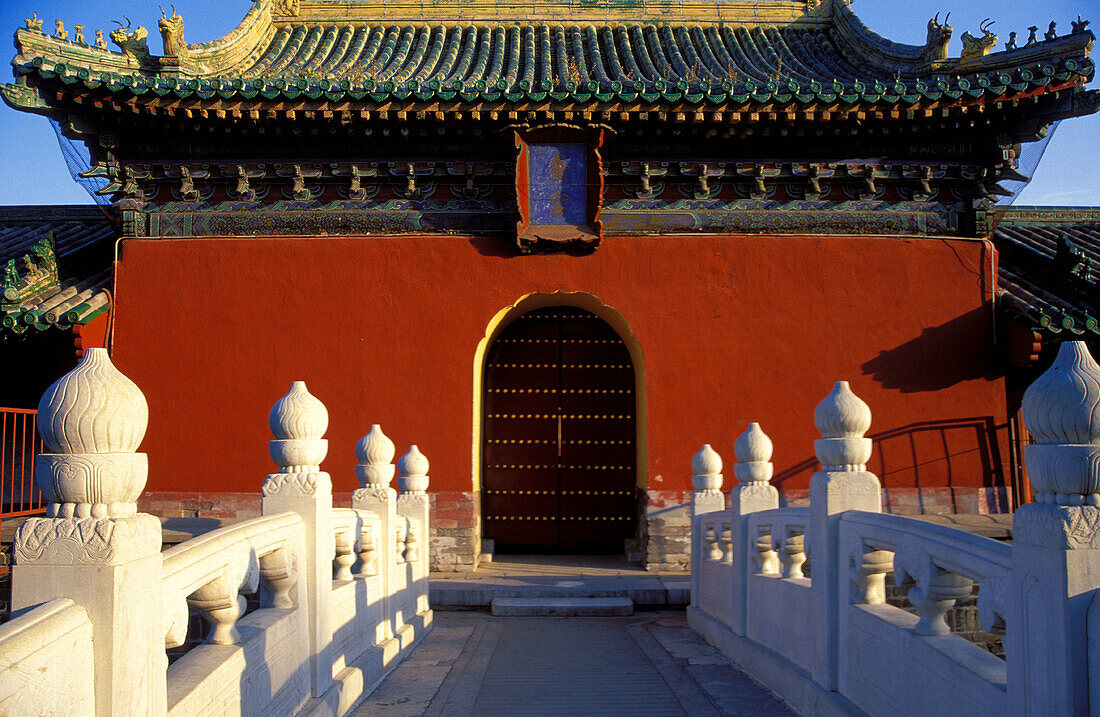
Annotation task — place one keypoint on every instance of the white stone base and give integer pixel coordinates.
(784, 678)
(355, 682)
(268, 673)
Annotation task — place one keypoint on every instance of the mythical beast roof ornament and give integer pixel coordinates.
(975, 48)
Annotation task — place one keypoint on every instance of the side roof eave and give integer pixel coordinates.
(217, 57)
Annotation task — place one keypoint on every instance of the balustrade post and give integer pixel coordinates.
(412, 504)
(94, 547)
(842, 484)
(298, 421)
(375, 452)
(752, 494)
(707, 497)
(707, 482)
(1056, 543)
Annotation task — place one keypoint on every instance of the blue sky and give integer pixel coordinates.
(35, 173)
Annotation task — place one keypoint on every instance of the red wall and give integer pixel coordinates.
(733, 329)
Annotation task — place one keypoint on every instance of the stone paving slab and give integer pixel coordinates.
(652, 664)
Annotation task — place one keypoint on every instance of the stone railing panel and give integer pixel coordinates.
(778, 596)
(212, 572)
(777, 541)
(268, 669)
(716, 566)
(46, 662)
(357, 604)
(941, 564)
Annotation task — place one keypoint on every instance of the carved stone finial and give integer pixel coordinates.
(99, 41)
(375, 452)
(1051, 33)
(60, 32)
(412, 471)
(33, 23)
(707, 468)
(1063, 404)
(1062, 413)
(754, 454)
(753, 446)
(79, 37)
(93, 409)
(1032, 36)
(1078, 26)
(92, 420)
(298, 414)
(843, 418)
(842, 414)
(298, 421)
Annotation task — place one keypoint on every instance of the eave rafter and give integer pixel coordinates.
(543, 109)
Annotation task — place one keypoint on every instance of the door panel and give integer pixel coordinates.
(559, 457)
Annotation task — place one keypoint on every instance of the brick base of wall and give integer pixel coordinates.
(455, 518)
(927, 501)
(172, 504)
(456, 530)
(666, 538)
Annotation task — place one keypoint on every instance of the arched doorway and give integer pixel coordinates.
(558, 439)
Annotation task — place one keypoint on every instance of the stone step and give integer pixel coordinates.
(562, 607)
(663, 592)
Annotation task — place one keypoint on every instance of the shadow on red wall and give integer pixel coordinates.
(932, 360)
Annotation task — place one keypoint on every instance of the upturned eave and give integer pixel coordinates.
(795, 54)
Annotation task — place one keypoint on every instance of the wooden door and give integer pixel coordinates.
(558, 457)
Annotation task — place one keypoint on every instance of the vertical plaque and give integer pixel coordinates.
(557, 175)
(559, 187)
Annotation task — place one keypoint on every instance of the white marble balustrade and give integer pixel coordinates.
(830, 643)
(343, 593)
(941, 565)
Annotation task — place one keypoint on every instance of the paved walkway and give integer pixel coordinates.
(649, 664)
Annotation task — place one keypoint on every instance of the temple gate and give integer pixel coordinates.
(559, 436)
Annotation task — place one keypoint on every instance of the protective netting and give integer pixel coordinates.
(1030, 154)
(78, 159)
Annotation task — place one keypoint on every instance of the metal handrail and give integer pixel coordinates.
(19, 444)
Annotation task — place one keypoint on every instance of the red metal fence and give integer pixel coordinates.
(19, 444)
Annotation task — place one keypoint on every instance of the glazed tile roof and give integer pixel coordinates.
(1050, 267)
(810, 56)
(75, 288)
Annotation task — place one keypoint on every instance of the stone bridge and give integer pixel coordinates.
(309, 607)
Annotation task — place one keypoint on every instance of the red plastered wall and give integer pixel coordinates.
(733, 330)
